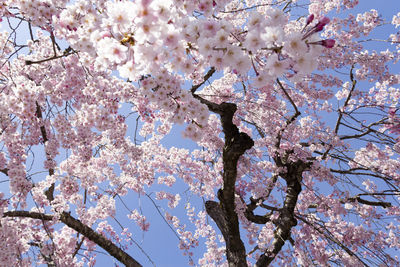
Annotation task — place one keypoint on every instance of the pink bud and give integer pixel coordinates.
(321, 23)
(392, 111)
(324, 20)
(319, 27)
(310, 19)
(328, 43)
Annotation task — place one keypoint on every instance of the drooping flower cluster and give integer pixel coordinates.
(89, 103)
(394, 122)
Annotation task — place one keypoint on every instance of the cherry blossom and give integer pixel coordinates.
(255, 132)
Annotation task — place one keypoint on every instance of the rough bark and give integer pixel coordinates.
(223, 213)
(286, 219)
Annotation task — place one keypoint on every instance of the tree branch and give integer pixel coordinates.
(65, 54)
(357, 198)
(205, 78)
(47, 258)
(28, 214)
(83, 229)
(346, 102)
(336, 130)
(286, 219)
(249, 212)
(224, 214)
(288, 96)
(50, 191)
(5, 171)
(332, 239)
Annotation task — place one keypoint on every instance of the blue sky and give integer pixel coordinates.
(160, 242)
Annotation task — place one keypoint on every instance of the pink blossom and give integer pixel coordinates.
(195, 117)
(309, 19)
(396, 20)
(328, 43)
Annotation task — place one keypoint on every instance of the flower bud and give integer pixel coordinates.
(310, 19)
(321, 24)
(324, 20)
(328, 43)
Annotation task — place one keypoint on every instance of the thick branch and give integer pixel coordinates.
(284, 224)
(28, 214)
(236, 143)
(106, 244)
(213, 209)
(224, 214)
(286, 219)
(5, 171)
(259, 219)
(83, 229)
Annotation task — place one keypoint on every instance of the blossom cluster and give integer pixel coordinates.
(164, 91)
(39, 12)
(394, 122)
(138, 37)
(127, 34)
(140, 220)
(66, 123)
